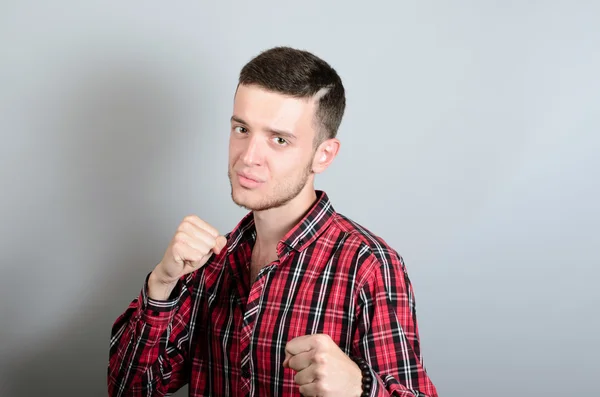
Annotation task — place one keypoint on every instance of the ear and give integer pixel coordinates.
(325, 154)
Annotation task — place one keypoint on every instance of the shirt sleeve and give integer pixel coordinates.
(148, 347)
(387, 334)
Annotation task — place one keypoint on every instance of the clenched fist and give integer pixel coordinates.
(191, 247)
(323, 369)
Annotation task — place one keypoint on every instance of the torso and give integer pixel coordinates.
(240, 339)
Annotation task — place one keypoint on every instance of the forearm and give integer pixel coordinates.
(138, 363)
(387, 335)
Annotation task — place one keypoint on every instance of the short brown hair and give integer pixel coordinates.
(300, 74)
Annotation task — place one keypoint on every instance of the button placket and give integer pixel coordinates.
(248, 324)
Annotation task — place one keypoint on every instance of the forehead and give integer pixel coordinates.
(268, 109)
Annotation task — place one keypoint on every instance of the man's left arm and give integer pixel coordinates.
(387, 337)
(385, 358)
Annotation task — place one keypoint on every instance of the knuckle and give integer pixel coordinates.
(189, 218)
(180, 237)
(321, 387)
(320, 372)
(323, 342)
(320, 358)
(320, 341)
(184, 226)
(178, 250)
(325, 339)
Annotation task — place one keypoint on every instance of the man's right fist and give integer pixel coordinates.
(191, 247)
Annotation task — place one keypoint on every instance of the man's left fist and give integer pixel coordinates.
(323, 369)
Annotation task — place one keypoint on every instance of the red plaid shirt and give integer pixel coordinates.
(225, 336)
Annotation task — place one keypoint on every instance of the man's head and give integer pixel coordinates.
(287, 110)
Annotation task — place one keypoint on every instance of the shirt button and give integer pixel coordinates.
(246, 373)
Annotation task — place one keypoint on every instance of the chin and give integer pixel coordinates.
(243, 198)
(251, 200)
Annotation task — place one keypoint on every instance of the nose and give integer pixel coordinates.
(253, 152)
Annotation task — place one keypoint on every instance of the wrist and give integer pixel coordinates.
(158, 289)
(366, 376)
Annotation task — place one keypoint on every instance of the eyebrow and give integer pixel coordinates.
(269, 129)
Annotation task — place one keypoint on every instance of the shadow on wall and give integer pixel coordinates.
(114, 127)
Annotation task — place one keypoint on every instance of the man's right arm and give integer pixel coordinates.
(148, 352)
(148, 349)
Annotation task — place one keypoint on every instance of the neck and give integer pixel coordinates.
(273, 224)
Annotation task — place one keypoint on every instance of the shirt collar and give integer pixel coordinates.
(303, 234)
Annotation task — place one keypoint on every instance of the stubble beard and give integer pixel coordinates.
(283, 193)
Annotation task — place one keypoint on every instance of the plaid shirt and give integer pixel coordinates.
(225, 336)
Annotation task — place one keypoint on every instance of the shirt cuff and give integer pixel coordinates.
(158, 312)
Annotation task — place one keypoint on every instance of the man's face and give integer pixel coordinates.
(271, 147)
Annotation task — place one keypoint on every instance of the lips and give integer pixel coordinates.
(249, 177)
(248, 181)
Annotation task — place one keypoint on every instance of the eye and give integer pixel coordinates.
(240, 129)
(280, 141)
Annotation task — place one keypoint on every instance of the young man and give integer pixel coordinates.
(297, 299)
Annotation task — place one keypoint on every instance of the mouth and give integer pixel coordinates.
(248, 181)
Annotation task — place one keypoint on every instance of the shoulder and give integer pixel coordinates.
(378, 255)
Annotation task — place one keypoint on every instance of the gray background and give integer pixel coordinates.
(470, 144)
